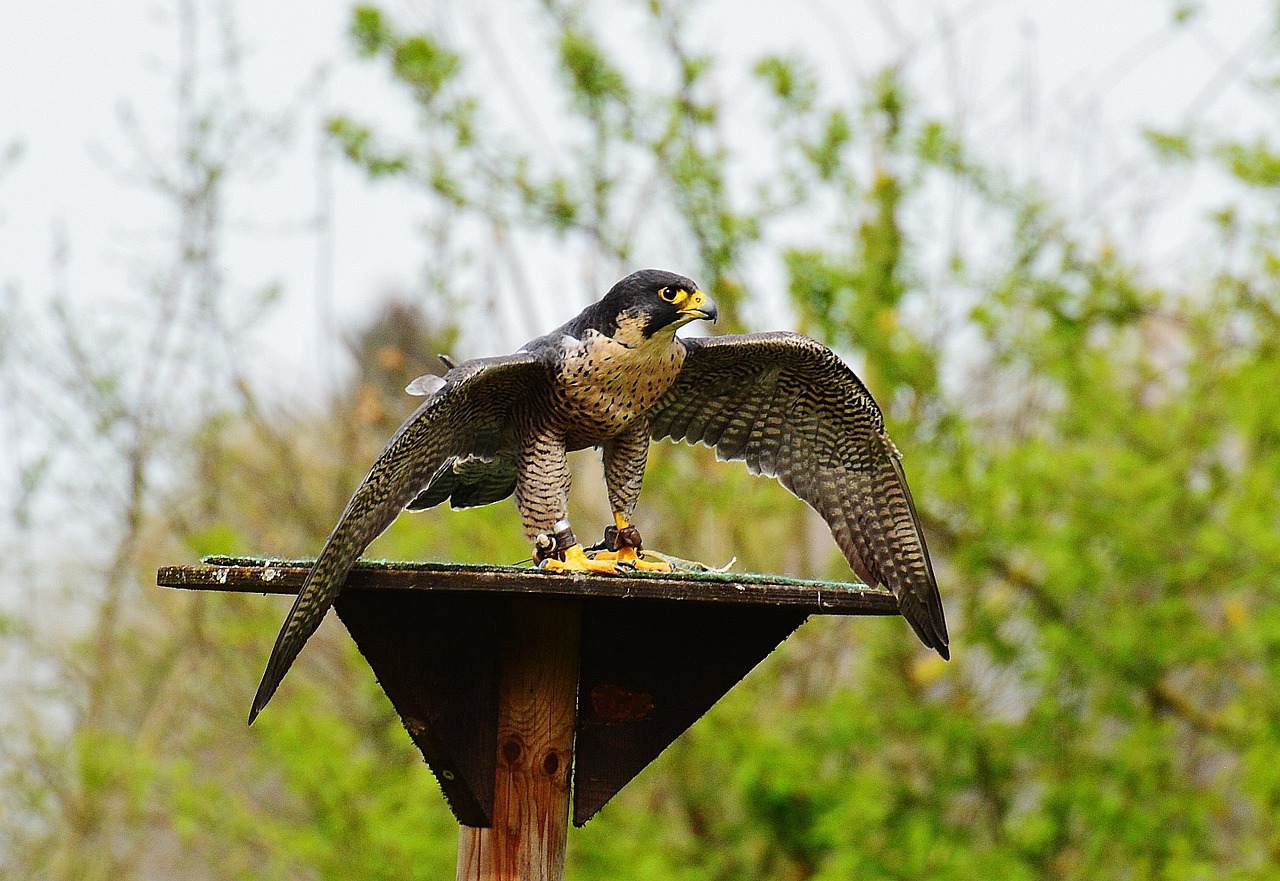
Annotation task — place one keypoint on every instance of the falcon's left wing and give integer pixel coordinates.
(791, 409)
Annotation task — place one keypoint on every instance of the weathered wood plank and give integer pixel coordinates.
(649, 671)
(537, 712)
(437, 656)
(286, 576)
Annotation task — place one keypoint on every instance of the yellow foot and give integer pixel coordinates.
(628, 558)
(626, 538)
(576, 560)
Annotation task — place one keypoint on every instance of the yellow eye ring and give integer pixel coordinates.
(669, 294)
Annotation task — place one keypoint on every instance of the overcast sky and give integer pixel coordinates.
(1055, 90)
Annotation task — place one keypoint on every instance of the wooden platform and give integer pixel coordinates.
(257, 575)
(653, 653)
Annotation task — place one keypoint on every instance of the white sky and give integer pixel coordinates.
(1053, 90)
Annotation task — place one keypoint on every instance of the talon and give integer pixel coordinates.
(630, 558)
(575, 559)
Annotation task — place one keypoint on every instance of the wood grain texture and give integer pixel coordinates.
(286, 576)
(537, 714)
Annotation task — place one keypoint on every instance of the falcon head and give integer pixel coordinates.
(653, 300)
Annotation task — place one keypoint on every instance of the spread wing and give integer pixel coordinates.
(468, 414)
(791, 409)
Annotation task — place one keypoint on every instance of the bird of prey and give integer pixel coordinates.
(617, 377)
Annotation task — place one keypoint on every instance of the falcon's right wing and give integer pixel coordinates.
(468, 413)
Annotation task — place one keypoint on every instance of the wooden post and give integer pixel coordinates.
(537, 713)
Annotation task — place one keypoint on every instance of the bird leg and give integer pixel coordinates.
(622, 544)
(624, 460)
(560, 551)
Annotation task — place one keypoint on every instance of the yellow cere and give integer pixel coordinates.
(695, 301)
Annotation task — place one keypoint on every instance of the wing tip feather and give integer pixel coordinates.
(278, 665)
(926, 618)
(266, 689)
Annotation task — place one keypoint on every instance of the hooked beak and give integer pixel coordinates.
(699, 305)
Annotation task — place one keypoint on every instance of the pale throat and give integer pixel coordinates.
(613, 380)
(630, 349)
(630, 333)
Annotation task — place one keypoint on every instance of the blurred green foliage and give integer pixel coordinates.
(1096, 455)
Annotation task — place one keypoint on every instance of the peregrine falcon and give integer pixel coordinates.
(617, 377)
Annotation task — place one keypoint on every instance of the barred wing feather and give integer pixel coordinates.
(468, 414)
(789, 408)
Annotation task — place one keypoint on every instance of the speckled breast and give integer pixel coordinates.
(606, 385)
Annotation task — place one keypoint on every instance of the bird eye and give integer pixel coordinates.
(669, 294)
